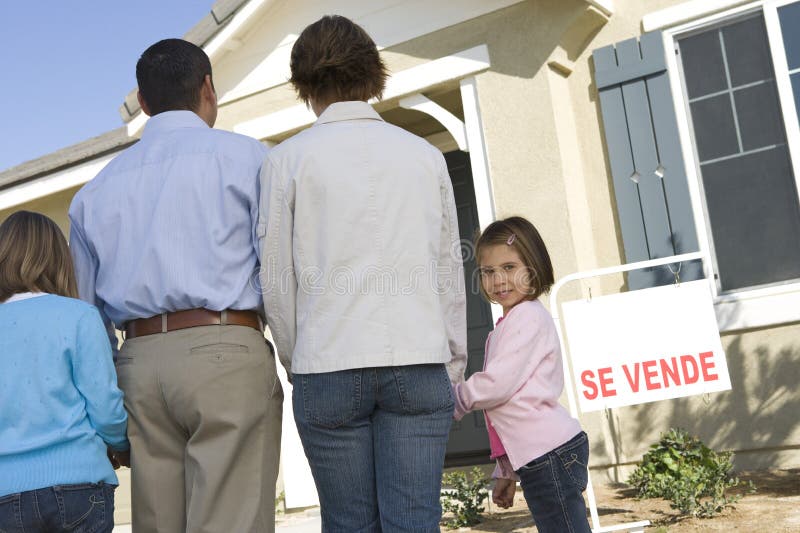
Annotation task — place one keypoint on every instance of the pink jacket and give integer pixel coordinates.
(520, 385)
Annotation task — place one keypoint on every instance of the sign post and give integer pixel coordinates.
(638, 347)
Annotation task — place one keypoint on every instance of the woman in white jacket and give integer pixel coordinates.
(364, 290)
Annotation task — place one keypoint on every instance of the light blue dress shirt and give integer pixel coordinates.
(171, 223)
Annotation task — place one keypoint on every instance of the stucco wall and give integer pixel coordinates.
(758, 418)
(54, 206)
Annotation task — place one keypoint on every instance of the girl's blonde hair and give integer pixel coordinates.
(34, 257)
(519, 234)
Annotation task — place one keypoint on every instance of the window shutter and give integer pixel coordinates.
(650, 186)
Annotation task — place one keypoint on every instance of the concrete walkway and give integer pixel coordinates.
(306, 522)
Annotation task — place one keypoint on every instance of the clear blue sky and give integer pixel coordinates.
(68, 64)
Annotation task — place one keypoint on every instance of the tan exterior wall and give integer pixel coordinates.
(55, 206)
(757, 419)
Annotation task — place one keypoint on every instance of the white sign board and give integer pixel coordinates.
(646, 345)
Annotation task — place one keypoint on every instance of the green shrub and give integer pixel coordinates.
(683, 470)
(464, 499)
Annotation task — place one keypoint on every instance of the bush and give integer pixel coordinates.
(683, 470)
(465, 497)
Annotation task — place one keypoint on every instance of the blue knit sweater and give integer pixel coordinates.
(59, 401)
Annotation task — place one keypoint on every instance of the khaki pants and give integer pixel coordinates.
(204, 407)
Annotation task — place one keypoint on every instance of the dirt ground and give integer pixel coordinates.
(775, 507)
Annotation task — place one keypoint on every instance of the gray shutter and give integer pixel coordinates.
(641, 133)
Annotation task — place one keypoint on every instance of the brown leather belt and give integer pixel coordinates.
(189, 319)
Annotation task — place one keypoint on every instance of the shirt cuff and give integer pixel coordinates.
(121, 447)
(504, 470)
(460, 410)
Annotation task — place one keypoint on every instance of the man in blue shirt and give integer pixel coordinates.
(165, 246)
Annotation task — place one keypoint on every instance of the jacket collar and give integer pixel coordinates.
(171, 120)
(354, 110)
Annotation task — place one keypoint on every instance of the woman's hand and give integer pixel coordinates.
(503, 493)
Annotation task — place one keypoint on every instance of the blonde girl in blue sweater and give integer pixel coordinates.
(62, 422)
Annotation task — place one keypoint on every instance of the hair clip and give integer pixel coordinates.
(511, 239)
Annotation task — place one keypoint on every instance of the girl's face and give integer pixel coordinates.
(504, 276)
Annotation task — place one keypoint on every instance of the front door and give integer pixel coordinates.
(469, 443)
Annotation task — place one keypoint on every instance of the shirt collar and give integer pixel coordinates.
(23, 296)
(172, 120)
(355, 110)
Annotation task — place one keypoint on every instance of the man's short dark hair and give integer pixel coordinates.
(170, 75)
(334, 58)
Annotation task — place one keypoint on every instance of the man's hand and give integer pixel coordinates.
(119, 458)
(503, 493)
(112, 459)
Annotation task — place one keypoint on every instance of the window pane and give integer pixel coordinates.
(750, 194)
(759, 116)
(702, 64)
(755, 219)
(796, 91)
(747, 52)
(789, 16)
(714, 128)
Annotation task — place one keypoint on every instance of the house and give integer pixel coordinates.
(624, 129)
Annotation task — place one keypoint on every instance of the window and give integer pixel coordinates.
(742, 143)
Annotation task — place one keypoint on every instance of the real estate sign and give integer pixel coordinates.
(645, 345)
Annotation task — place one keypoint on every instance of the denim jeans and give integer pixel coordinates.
(84, 508)
(553, 486)
(375, 439)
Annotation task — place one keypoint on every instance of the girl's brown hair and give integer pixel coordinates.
(522, 236)
(335, 60)
(34, 257)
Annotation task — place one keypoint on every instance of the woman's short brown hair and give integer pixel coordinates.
(522, 236)
(335, 60)
(34, 257)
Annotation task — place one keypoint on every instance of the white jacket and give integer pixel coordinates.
(360, 258)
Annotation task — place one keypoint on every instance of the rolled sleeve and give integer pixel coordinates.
(504, 470)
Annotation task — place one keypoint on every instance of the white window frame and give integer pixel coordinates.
(751, 307)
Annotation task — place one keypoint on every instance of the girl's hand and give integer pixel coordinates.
(503, 493)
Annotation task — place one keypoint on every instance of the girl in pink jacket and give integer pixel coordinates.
(532, 437)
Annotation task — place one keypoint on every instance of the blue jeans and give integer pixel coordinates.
(375, 439)
(553, 486)
(84, 508)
